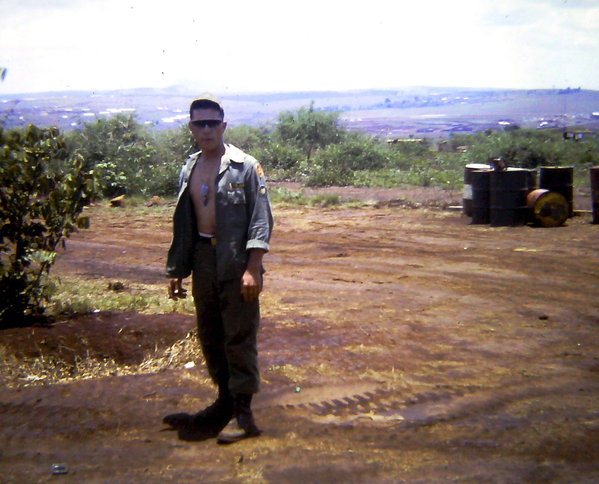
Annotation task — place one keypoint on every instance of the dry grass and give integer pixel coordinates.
(45, 370)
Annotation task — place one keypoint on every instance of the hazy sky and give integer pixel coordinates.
(263, 45)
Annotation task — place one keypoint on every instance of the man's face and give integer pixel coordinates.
(207, 128)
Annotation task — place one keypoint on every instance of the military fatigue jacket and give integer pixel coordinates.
(244, 218)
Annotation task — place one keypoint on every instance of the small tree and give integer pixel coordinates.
(43, 189)
(309, 129)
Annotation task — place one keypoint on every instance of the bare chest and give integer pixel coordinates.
(202, 188)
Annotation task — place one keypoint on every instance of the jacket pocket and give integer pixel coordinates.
(236, 197)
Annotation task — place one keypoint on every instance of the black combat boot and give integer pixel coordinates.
(241, 426)
(215, 415)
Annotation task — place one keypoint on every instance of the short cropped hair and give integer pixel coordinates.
(206, 104)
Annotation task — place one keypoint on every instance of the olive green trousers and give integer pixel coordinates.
(227, 325)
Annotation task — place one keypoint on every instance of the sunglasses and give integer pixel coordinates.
(211, 123)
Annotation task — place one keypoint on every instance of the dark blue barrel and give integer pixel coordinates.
(509, 189)
(481, 184)
(559, 179)
(467, 195)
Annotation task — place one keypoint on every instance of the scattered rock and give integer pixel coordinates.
(155, 201)
(116, 286)
(118, 201)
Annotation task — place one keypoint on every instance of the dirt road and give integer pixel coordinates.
(398, 345)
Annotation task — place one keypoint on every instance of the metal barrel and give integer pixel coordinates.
(594, 172)
(509, 189)
(532, 180)
(559, 179)
(548, 209)
(467, 195)
(481, 184)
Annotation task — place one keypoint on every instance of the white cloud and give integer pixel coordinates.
(274, 45)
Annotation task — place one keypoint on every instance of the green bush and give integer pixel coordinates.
(172, 148)
(122, 153)
(43, 189)
(280, 157)
(530, 148)
(247, 138)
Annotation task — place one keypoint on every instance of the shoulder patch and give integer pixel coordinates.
(259, 170)
(262, 190)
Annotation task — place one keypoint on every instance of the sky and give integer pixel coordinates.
(280, 46)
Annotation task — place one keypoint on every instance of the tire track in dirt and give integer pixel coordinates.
(368, 404)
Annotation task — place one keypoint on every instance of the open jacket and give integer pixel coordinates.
(244, 218)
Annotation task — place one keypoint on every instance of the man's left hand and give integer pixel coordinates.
(251, 285)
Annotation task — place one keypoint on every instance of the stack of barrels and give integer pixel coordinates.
(508, 197)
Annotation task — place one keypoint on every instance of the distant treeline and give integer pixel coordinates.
(315, 148)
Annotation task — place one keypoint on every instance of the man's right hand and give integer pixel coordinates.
(175, 289)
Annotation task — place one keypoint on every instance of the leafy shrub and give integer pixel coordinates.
(280, 157)
(172, 147)
(43, 189)
(338, 163)
(247, 138)
(121, 151)
(529, 148)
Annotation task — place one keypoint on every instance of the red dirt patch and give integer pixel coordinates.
(124, 337)
(397, 345)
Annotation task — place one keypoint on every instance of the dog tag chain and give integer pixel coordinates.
(205, 194)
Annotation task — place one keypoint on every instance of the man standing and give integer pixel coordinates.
(221, 230)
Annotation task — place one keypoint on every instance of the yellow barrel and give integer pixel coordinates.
(549, 209)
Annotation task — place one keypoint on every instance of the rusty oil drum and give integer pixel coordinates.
(559, 179)
(467, 202)
(548, 209)
(481, 185)
(509, 189)
(594, 172)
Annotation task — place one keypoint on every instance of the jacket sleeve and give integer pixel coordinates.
(179, 262)
(261, 221)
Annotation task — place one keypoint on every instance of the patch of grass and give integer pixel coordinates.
(284, 196)
(324, 200)
(83, 296)
(416, 176)
(390, 178)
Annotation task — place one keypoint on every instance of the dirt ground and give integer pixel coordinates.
(398, 345)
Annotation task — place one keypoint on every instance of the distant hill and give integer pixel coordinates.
(406, 112)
